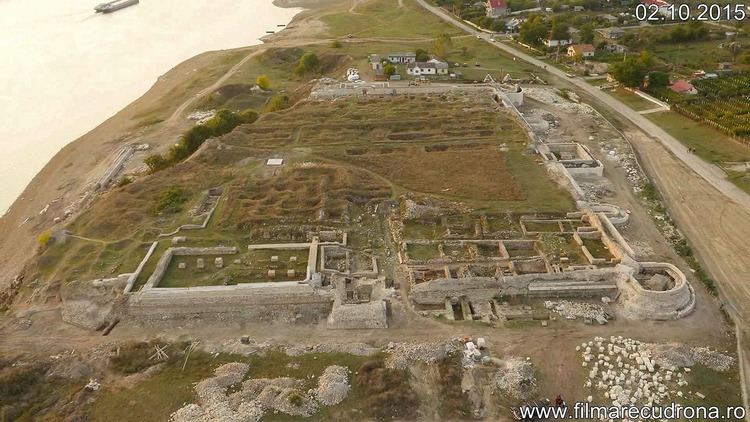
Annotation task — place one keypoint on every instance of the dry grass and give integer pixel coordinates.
(471, 174)
(305, 194)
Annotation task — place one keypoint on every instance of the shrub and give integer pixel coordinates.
(44, 238)
(335, 44)
(278, 102)
(171, 201)
(156, 162)
(263, 82)
(295, 399)
(308, 63)
(248, 116)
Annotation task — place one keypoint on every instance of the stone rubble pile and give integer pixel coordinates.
(549, 96)
(574, 310)
(629, 372)
(680, 355)
(400, 355)
(515, 378)
(333, 385)
(257, 397)
(201, 116)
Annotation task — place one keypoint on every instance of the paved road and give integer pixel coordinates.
(714, 175)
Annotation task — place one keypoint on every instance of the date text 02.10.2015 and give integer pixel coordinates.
(660, 11)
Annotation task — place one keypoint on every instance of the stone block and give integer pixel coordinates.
(219, 262)
(271, 273)
(275, 258)
(290, 273)
(292, 259)
(182, 265)
(200, 263)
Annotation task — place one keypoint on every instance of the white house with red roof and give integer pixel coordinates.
(683, 87)
(497, 8)
(584, 50)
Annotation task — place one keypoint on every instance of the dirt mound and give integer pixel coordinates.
(515, 378)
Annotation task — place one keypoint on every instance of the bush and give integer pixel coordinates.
(263, 82)
(277, 102)
(156, 162)
(44, 238)
(295, 399)
(171, 201)
(335, 44)
(223, 122)
(308, 63)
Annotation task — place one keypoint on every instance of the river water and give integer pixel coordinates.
(64, 69)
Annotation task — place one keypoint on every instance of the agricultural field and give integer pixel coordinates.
(723, 103)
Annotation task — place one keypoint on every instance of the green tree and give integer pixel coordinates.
(630, 72)
(263, 82)
(223, 122)
(308, 63)
(422, 55)
(657, 80)
(587, 33)
(442, 45)
(533, 30)
(389, 69)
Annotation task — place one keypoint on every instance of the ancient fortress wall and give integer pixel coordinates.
(674, 303)
(277, 301)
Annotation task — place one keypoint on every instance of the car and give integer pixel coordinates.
(570, 75)
(479, 37)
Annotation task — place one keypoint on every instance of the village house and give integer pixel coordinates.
(497, 8)
(615, 48)
(432, 67)
(513, 25)
(376, 62)
(550, 43)
(724, 67)
(612, 33)
(683, 87)
(402, 58)
(610, 19)
(583, 50)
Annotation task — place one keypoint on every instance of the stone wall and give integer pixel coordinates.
(660, 305)
(284, 301)
(360, 316)
(583, 283)
(165, 259)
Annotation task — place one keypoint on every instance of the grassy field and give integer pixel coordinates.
(709, 144)
(384, 18)
(632, 100)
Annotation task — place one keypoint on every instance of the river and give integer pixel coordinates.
(64, 69)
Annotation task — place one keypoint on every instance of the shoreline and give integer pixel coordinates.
(63, 180)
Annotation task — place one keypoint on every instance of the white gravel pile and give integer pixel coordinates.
(401, 355)
(680, 355)
(551, 97)
(333, 385)
(515, 378)
(574, 310)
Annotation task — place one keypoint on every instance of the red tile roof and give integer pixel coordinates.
(656, 2)
(681, 86)
(499, 4)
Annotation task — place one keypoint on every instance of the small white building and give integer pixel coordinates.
(432, 67)
(402, 58)
(550, 43)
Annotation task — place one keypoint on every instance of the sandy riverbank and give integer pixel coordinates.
(71, 172)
